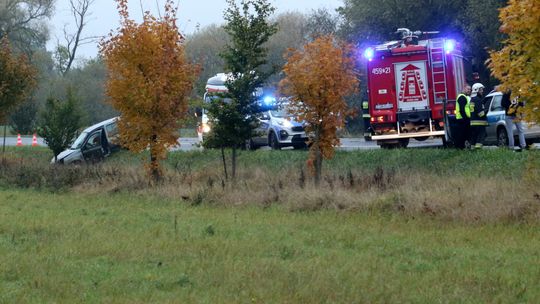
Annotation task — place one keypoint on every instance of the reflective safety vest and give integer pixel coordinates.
(467, 107)
(365, 108)
(478, 113)
(479, 123)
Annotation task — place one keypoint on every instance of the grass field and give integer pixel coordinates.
(136, 249)
(418, 225)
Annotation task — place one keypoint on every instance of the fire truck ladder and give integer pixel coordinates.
(437, 60)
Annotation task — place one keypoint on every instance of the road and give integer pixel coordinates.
(26, 141)
(191, 143)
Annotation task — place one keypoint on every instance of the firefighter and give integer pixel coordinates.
(478, 116)
(463, 117)
(366, 117)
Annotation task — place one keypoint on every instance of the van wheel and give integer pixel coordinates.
(273, 141)
(502, 138)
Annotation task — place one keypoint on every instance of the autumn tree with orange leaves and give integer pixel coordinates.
(517, 64)
(149, 82)
(318, 78)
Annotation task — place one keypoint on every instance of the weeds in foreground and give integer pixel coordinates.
(454, 196)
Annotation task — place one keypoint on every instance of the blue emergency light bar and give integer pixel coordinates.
(449, 46)
(369, 53)
(269, 100)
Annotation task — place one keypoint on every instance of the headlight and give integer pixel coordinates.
(285, 123)
(205, 128)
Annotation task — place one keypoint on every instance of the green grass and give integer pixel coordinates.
(447, 226)
(129, 248)
(9, 131)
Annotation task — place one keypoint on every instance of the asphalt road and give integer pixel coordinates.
(26, 141)
(187, 144)
(192, 143)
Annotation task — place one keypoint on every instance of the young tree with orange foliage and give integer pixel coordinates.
(149, 82)
(17, 80)
(517, 65)
(318, 78)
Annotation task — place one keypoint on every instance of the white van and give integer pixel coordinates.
(93, 144)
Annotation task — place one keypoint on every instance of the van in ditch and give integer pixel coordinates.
(93, 144)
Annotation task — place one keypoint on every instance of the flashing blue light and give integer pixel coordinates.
(269, 100)
(449, 46)
(369, 53)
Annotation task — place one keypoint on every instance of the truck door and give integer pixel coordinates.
(411, 86)
(93, 149)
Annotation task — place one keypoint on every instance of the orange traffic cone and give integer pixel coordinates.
(19, 140)
(34, 140)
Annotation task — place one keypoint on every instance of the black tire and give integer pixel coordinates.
(447, 143)
(390, 146)
(502, 138)
(403, 143)
(250, 145)
(300, 146)
(423, 138)
(273, 141)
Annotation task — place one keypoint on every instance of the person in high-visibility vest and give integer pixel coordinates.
(366, 117)
(478, 116)
(463, 117)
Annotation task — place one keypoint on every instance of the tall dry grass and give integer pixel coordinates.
(455, 197)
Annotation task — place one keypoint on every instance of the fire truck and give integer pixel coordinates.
(412, 85)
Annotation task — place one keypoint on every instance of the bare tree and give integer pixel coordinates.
(21, 21)
(65, 53)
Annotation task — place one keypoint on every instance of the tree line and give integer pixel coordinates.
(251, 47)
(474, 22)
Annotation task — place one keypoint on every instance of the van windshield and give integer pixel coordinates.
(79, 141)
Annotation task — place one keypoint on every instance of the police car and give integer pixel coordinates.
(496, 129)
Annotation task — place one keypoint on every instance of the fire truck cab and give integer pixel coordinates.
(410, 84)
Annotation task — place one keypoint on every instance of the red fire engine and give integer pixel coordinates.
(410, 82)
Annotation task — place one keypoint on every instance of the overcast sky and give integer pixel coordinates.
(104, 16)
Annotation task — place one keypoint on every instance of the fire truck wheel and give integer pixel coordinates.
(447, 143)
(403, 143)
